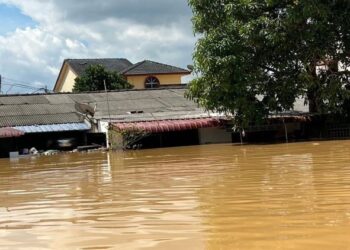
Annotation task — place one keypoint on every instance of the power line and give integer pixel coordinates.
(9, 90)
(12, 85)
(32, 89)
(19, 85)
(22, 82)
(41, 89)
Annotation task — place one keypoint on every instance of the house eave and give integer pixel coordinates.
(155, 73)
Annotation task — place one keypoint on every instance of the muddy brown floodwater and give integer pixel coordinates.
(294, 196)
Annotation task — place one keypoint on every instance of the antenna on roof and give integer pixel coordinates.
(190, 67)
(107, 99)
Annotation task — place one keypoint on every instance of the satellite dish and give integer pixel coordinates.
(85, 109)
(190, 67)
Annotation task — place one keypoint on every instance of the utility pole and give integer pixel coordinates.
(107, 99)
(0, 85)
(109, 116)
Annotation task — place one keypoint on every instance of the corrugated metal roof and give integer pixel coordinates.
(10, 132)
(167, 125)
(159, 116)
(35, 109)
(59, 99)
(53, 128)
(23, 120)
(35, 99)
(23, 110)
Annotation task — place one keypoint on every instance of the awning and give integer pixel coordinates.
(10, 132)
(167, 125)
(54, 128)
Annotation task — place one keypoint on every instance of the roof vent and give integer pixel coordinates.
(135, 112)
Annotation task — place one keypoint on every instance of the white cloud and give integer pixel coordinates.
(136, 29)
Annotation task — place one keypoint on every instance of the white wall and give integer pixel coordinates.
(103, 128)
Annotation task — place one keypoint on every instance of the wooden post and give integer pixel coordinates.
(241, 136)
(285, 130)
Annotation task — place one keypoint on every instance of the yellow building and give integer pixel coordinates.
(145, 74)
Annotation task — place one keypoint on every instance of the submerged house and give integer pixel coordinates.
(161, 117)
(143, 75)
(38, 121)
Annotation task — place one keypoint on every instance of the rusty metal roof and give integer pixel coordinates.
(10, 132)
(167, 125)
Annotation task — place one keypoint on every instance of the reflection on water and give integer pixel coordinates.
(294, 196)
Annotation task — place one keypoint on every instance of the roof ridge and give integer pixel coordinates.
(164, 64)
(153, 67)
(102, 58)
(133, 66)
(25, 115)
(93, 92)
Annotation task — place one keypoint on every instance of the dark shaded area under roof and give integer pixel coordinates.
(150, 67)
(111, 64)
(44, 109)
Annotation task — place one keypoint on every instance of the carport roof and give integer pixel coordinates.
(54, 128)
(10, 132)
(167, 125)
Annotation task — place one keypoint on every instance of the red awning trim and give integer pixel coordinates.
(10, 132)
(167, 125)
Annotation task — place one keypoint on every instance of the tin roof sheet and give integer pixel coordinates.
(167, 125)
(53, 128)
(45, 109)
(10, 132)
(43, 119)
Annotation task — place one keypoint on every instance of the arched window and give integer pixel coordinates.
(151, 82)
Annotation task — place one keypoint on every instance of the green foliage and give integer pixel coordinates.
(94, 77)
(126, 139)
(255, 57)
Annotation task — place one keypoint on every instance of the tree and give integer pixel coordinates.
(256, 57)
(93, 80)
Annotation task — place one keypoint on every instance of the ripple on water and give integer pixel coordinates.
(294, 196)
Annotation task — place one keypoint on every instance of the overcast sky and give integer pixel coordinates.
(37, 35)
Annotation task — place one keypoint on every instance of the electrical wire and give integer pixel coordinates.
(19, 86)
(32, 89)
(21, 82)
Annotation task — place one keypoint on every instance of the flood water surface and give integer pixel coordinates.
(294, 196)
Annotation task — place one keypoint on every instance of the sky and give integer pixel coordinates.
(37, 35)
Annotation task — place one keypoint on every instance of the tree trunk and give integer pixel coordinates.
(311, 96)
(312, 90)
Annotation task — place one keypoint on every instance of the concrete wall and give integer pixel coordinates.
(66, 80)
(139, 81)
(103, 128)
(214, 135)
(69, 81)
